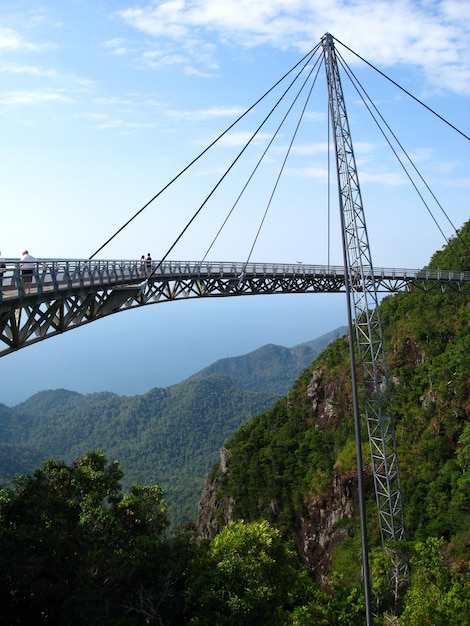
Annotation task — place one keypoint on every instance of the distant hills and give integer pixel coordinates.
(271, 369)
(169, 436)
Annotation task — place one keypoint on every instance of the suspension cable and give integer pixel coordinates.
(359, 87)
(329, 180)
(350, 75)
(283, 164)
(231, 165)
(317, 62)
(307, 56)
(405, 91)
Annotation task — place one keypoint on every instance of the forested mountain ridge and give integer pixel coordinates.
(295, 465)
(168, 436)
(271, 368)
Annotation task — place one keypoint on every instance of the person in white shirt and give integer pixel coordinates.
(27, 265)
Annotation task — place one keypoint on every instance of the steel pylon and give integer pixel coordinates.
(368, 328)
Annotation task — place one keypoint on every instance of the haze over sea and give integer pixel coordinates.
(156, 346)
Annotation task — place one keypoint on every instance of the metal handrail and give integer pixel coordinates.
(59, 274)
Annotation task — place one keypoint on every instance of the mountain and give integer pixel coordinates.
(271, 368)
(295, 464)
(168, 436)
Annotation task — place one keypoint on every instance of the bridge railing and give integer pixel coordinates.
(53, 275)
(63, 274)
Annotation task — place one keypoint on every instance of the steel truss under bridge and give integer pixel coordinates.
(368, 327)
(66, 294)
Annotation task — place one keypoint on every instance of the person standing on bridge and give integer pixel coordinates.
(3, 268)
(148, 265)
(27, 265)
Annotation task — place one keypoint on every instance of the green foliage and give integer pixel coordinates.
(74, 550)
(247, 575)
(346, 555)
(439, 594)
(266, 481)
(171, 436)
(456, 254)
(344, 606)
(17, 459)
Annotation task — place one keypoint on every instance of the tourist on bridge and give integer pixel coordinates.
(28, 263)
(148, 264)
(142, 265)
(3, 268)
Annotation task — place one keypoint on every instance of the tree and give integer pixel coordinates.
(439, 594)
(74, 549)
(247, 575)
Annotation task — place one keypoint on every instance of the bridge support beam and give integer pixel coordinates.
(363, 294)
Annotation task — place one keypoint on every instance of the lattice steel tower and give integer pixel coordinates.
(368, 327)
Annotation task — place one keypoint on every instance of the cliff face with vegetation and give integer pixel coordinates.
(295, 465)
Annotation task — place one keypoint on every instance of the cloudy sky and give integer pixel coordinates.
(103, 102)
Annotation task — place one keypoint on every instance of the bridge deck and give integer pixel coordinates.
(61, 295)
(55, 276)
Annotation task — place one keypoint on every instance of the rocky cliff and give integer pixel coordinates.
(326, 518)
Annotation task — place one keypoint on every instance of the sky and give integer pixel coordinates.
(104, 102)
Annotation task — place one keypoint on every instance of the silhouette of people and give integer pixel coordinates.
(142, 265)
(27, 265)
(3, 268)
(148, 265)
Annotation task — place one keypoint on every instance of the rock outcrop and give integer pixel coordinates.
(326, 517)
(215, 508)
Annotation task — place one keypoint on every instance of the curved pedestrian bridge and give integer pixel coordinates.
(64, 294)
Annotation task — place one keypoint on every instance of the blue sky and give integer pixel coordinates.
(103, 102)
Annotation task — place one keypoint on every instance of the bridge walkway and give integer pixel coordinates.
(64, 294)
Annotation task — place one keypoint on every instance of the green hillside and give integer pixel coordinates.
(169, 436)
(75, 549)
(271, 368)
(295, 465)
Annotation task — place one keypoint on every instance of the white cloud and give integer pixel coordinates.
(73, 82)
(159, 59)
(206, 114)
(117, 42)
(191, 55)
(95, 116)
(120, 124)
(312, 172)
(419, 155)
(32, 97)
(117, 46)
(241, 138)
(11, 40)
(114, 100)
(314, 116)
(432, 36)
(387, 179)
(12, 68)
(309, 149)
(104, 121)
